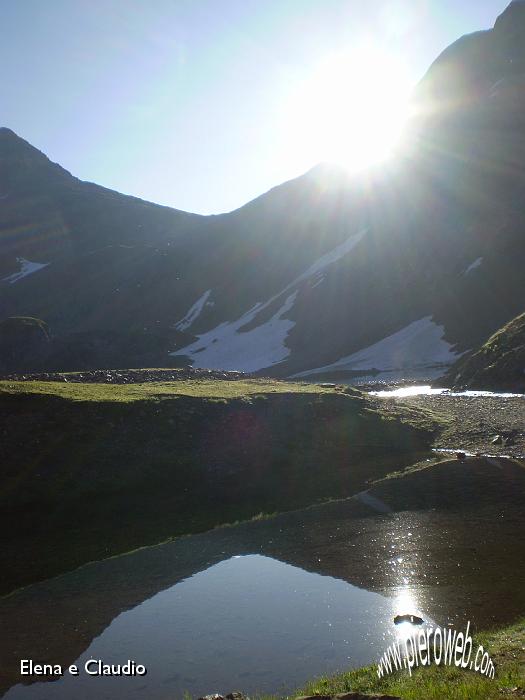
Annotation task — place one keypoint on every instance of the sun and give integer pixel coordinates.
(352, 110)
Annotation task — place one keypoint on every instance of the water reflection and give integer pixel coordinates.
(427, 390)
(271, 603)
(250, 622)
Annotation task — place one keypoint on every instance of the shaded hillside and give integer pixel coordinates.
(498, 364)
(98, 469)
(318, 272)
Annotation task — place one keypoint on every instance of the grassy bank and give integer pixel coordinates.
(91, 470)
(506, 648)
(150, 391)
(497, 365)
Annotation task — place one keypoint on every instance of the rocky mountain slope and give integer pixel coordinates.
(401, 270)
(498, 364)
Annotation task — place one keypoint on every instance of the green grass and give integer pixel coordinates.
(506, 647)
(508, 337)
(498, 364)
(205, 388)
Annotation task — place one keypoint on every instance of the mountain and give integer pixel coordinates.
(498, 364)
(402, 269)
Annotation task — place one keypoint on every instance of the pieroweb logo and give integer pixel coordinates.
(438, 646)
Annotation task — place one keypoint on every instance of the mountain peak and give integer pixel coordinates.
(10, 140)
(7, 133)
(509, 36)
(515, 12)
(20, 159)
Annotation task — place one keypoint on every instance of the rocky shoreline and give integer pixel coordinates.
(126, 376)
(487, 425)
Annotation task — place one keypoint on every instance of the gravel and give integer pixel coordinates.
(473, 423)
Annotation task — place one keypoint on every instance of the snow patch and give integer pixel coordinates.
(318, 267)
(225, 348)
(334, 255)
(495, 88)
(329, 258)
(26, 268)
(420, 344)
(473, 266)
(193, 313)
(318, 282)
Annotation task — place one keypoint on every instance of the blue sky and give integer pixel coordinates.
(185, 102)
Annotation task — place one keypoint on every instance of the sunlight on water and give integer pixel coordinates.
(266, 605)
(427, 390)
(406, 603)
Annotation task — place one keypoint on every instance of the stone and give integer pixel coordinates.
(413, 619)
(213, 696)
(461, 456)
(236, 696)
(498, 440)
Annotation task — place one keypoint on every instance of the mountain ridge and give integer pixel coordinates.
(323, 268)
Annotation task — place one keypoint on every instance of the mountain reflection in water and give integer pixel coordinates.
(266, 605)
(250, 621)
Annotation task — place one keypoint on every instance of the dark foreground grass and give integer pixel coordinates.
(505, 646)
(92, 470)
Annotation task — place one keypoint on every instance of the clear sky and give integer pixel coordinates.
(188, 102)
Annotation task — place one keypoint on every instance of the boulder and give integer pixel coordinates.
(413, 619)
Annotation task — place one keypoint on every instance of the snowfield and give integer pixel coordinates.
(228, 347)
(418, 345)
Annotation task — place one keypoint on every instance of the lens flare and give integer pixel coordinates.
(352, 110)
